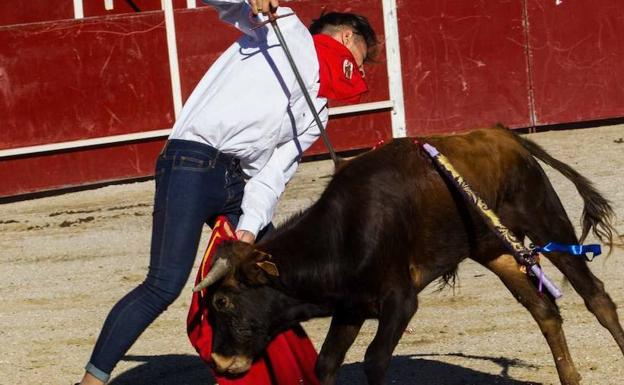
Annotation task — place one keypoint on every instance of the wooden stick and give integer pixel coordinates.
(523, 255)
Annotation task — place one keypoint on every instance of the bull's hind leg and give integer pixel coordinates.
(396, 311)
(557, 228)
(552, 224)
(591, 289)
(342, 332)
(543, 310)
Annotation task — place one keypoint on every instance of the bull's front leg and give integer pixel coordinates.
(396, 311)
(340, 337)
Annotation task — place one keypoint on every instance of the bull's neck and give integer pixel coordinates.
(305, 251)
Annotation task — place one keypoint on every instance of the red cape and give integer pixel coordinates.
(290, 357)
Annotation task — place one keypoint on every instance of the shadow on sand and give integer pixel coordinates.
(178, 369)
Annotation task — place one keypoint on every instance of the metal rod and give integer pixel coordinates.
(304, 90)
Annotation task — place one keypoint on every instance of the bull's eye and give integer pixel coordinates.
(221, 302)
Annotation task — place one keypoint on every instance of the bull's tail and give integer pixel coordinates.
(598, 215)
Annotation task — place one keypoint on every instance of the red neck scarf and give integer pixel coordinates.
(340, 78)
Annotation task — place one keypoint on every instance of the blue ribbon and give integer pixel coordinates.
(577, 250)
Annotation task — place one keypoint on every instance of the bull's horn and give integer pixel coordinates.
(220, 268)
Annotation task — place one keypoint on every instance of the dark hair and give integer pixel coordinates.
(359, 24)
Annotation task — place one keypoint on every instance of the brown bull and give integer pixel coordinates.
(389, 224)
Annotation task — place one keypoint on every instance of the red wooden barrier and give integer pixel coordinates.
(20, 12)
(464, 64)
(77, 79)
(577, 60)
(78, 167)
(102, 77)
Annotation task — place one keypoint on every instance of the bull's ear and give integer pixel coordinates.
(260, 269)
(263, 261)
(269, 267)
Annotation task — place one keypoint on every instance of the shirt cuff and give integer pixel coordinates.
(249, 223)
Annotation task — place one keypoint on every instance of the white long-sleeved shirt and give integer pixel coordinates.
(249, 105)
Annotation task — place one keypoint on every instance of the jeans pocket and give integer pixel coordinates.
(158, 177)
(190, 163)
(234, 185)
(159, 190)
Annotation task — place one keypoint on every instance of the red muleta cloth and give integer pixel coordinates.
(290, 357)
(339, 74)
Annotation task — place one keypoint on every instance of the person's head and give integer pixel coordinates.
(353, 31)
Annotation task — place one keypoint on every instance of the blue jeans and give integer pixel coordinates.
(194, 184)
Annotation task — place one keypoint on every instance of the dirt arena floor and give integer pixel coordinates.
(65, 260)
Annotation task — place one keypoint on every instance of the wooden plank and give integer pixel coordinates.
(32, 11)
(71, 80)
(577, 59)
(464, 64)
(43, 172)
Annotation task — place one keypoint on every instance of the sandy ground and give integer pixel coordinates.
(65, 260)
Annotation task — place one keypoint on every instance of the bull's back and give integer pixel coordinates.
(418, 219)
(486, 158)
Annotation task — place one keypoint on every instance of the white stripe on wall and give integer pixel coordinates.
(74, 144)
(78, 10)
(116, 139)
(395, 76)
(172, 49)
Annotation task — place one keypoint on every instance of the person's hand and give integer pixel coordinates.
(245, 236)
(264, 6)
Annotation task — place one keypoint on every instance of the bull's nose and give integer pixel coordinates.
(222, 363)
(240, 365)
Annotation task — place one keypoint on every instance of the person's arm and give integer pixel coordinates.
(264, 189)
(239, 12)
